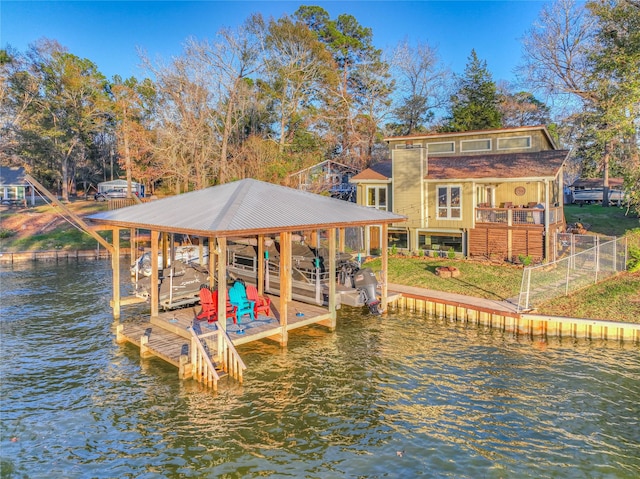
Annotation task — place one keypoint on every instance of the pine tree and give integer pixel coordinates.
(475, 105)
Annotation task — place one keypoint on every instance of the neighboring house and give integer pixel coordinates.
(329, 176)
(495, 194)
(14, 187)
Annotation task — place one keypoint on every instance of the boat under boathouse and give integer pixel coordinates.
(248, 212)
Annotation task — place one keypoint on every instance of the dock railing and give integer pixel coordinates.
(202, 358)
(203, 368)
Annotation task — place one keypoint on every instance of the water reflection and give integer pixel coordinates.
(458, 401)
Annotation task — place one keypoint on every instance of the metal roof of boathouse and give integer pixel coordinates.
(246, 206)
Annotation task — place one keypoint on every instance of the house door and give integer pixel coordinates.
(374, 239)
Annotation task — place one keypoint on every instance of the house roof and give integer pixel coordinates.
(378, 171)
(503, 165)
(12, 176)
(597, 183)
(418, 136)
(245, 207)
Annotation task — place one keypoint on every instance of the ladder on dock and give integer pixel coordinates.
(205, 357)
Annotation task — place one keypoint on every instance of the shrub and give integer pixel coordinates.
(633, 263)
(525, 260)
(6, 233)
(394, 249)
(451, 254)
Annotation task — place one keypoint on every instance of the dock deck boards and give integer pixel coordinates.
(170, 329)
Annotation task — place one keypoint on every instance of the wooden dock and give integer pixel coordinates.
(171, 335)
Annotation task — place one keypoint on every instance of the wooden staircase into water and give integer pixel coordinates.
(205, 357)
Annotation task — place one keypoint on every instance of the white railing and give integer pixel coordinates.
(517, 216)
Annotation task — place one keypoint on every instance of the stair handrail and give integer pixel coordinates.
(229, 358)
(203, 368)
(232, 363)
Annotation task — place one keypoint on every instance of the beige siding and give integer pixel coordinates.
(408, 178)
(538, 142)
(468, 211)
(506, 192)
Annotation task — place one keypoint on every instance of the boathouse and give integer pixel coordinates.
(248, 210)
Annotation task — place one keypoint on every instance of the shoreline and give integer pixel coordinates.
(9, 257)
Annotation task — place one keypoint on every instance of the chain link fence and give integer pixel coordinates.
(582, 261)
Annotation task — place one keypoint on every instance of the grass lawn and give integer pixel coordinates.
(616, 299)
(609, 221)
(476, 279)
(43, 227)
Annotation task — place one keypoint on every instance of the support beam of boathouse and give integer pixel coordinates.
(385, 261)
(115, 267)
(154, 295)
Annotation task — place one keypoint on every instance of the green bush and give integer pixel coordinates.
(6, 233)
(451, 254)
(633, 263)
(525, 260)
(394, 250)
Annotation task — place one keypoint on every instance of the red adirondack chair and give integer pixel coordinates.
(262, 303)
(209, 304)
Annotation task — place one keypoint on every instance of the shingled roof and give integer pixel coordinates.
(500, 166)
(379, 171)
(12, 176)
(245, 207)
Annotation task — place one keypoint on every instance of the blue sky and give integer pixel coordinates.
(109, 33)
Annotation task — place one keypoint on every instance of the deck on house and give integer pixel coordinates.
(169, 331)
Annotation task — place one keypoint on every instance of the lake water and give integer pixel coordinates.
(401, 396)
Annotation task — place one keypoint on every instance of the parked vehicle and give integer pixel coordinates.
(594, 195)
(104, 196)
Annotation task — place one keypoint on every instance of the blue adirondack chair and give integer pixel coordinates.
(238, 298)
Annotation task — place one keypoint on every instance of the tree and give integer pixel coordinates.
(351, 46)
(474, 106)
(590, 54)
(421, 86)
(299, 72)
(203, 98)
(133, 104)
(522, 109)
(64, 104)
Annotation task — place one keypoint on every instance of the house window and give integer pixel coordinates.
(440, 242)
(377, 197)
(399, 239)
(475, 145)
(514, 143)
(409, 145)
(444, 147)
(449, 202)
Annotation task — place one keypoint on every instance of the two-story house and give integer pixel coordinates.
(494, 193)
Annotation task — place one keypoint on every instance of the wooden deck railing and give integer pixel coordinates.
(204, 348)
(230, 360)
(517, 216)
(204, 370)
